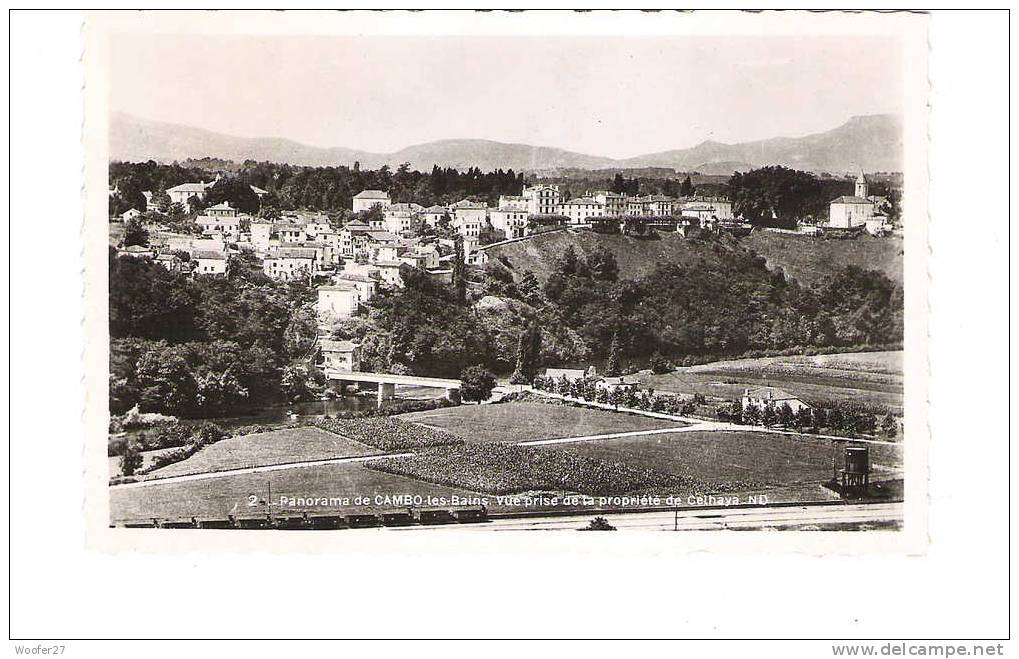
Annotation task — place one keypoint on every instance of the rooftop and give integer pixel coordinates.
(328, 345)
(372, 194)
(209, 255)
(847, 199)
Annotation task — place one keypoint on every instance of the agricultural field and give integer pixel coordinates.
(388, 433)
(734, 460)
(873, 379)
(230, 494)
(267, 448)
(523, 421)
(496, 468)
(809, 260)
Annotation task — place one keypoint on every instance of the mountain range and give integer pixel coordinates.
(871, 142)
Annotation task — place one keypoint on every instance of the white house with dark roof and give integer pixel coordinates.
(290, 263)
(341, 356)
(210, 262)
(368, 199)
(183, 193)
(434, 214)
(761, 397)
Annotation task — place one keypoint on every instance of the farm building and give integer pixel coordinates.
(762, 397)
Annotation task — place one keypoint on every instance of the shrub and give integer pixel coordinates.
(659, 364)
(131, 461)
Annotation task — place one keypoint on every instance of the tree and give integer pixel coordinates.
(751, 415)
(477, 383)
(599, 524)
(528, 355)
(686, 189)
(612, 368)
(768, 416)
(233, 190)
(889, 426)
(659, 364)
(131, 460)
(785, 415)
(459, 275)
(135, 233)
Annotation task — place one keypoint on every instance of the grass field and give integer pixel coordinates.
(873, 378)
(230, 494)
(809, 260)
(635, 256)
(268, 448)
(732, 458)
(522, 421)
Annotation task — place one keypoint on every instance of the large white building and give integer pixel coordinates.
(469, 217)
(542, 199)
(511, 221)
(183, 194)
(368, 199)
(582, 210)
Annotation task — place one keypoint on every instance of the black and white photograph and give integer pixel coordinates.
(497, 283)
(509, 324)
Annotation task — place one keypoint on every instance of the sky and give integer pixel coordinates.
(606, 96)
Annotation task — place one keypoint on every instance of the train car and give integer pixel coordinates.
(397, 518)
(362, 520)
(435, 516)
(470, 515)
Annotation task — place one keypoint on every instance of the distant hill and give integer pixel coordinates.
(873, 143)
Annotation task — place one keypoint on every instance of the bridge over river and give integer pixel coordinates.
(387, 383)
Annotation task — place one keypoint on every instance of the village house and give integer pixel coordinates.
(358, 277)
(183, 194)
(221, 218)
(762, 397)
(290, 263)
(513, 202)
(469, 216)
(569, 373)
(542, 199)
(340, 300)
(290, 233)
(367, 199)
(582, 210)
(340, 356)
(210, 262)
(511, 221)
(130, 214)
(434, 214)
(613, 202)
(261, 233)
(403, 218)
(136, 251)
(389, 272)
(172, 262)
(352, 235)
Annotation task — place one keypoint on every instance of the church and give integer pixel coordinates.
(847, 212)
